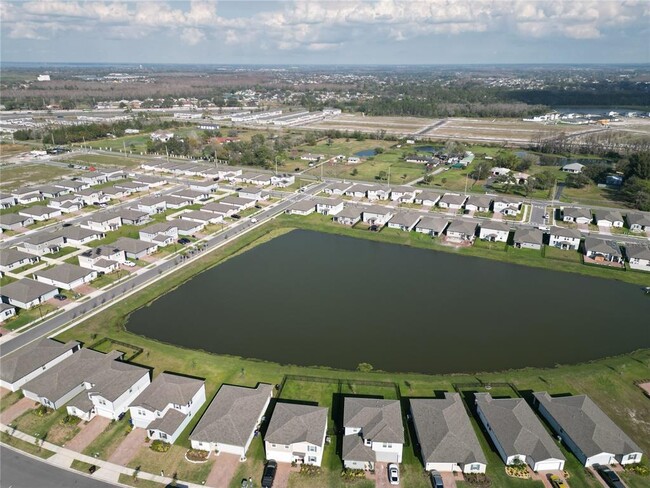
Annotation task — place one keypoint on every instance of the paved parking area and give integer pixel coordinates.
(282, 475)
(89, 431)
(223, 470)
(16, 410)
(449, 479)
(381, 476)
(129, 447)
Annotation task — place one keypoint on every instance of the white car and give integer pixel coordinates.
(254, 220)
(129, 264)
(393, 474)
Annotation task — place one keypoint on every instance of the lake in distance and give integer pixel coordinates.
(311, 298)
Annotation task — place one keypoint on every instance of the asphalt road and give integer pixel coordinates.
(20, 471)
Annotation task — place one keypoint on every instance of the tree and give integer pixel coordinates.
(577, 180)
(382, 176)
(596, 172)
(636, 192)
(481, 170)
(639, 166)
(506, 160)
(354, 172)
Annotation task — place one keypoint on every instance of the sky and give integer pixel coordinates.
(326, 32)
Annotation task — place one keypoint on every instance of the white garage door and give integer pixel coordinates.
(553, 465)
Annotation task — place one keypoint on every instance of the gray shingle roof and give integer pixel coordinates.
(566, 232)
(452, 199)
(116, 377)
(638, 218)
(495, 225)
(436, 224)
(602, 246)
(131, 214)
(12, 218)
(292, 423)
(217, 207)
(462, 226)
(353, 449)
(77, 233)
(479, 200)
(587, 425)
(11, 256)
(517, 428)
(638, 251)
(350, 211)
(407, 219)
(379, 420)
(528, 236)
(167, 389)
(611, 215)
(427, 195)
(232, 415)
(37, 210)
(576, 212)
(64, 273)
(445, 432)
(129, 244)
(303, 206)
(25, 360)
(169, 422)
(43, 238)
(26, 290)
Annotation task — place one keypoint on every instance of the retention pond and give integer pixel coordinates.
(310, 298)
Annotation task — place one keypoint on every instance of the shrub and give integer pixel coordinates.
(351, 475)
(69, 420)
(197, 455)
(478, 480)
(638, 468)
(42, 411)
(309, 470)
(160, 446)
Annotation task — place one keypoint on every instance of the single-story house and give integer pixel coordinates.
(167, 405)
(135, 248)
(72, 185)
(517, 433)
(27, 293)
(150, 181)
(219, 208)
(586, 430)
(93, 196)
(445, 435)
(609, 218)
(131, 216)
(577, 215)
(94, 178)
(132, 186)
(405, 221)
(14, 221)
(66, 203)
(105, 259)
(303, 207)
(251, 193)
(296, 434)
(638, 255)
(461, 230)
(7, 200)
(374, 432)
(507, 206)
(312, 157)
(116, 175)
(27, 195)
(574, 168)
(40, 213)
(152, 205)
(160, 233)
(452, 201)
(431, 225)
(187, 227)
(478, 203)
(194, 195)
(102, 221)
(240, 203)
(6, 312)
(376, 215)
(66, 276)
(260, 179)
(564, 238)
(358, 190)
(338, 188)
(283, 180)
(329, 206)
(602, 250)
(113, 192)
(202, 217)
(403, 194)
(350, 215)
(494, 231)
(232, 419)
(42, 243)
(176, 202)
(51, 191)
(26, 363)
(11, 259)
(77, 236)
(638, 222)
(208, 186)
(526, 238)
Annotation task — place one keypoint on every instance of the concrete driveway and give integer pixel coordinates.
(282, 475)
(89, 431)
(381, 476)
(223, 470)
(129, 447)
(449, 479)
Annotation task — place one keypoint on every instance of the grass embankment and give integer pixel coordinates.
(25, 446)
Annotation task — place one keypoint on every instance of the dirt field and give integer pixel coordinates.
(21, 174)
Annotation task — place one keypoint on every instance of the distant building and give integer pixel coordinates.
(43, 78)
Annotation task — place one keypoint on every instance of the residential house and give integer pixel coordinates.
(240, 203)
(338, 188)
(150, 181)
(132, 186)
(27, 195)
(102, 222)
(40, 213)
(152, 205)
(303, 207)
(517, 433)
(405, 194)
(42, 243)
(7, 200)
(427, 197)
(93, 196)
(478, 203)
(405, 221)
(609, 218)
(219, 208)
(507, 206)
(638, 255)
(564, 238)
(116, 175)
(32, 360)
(445, 435)
(586, 430)
(251, 193)
(72, 185)
(350, 215)
(576, 215)
(374, 432)
(161, 233)
(131, 216)
(528, 238)
(11, 259)
(376, 215)
(358, 190)
(452, 201)
(167, 405)
(104, 259)
(296, 434)
(113, 192)
(431, 225)
(573, 168)
(26, 293)
(260, 179)
(602, 250)
(194, 195)
(461, 231)
(312, 157)
(6, 312)
(66, 203)
(78, 236)
(202, 217)
(176, 202)
(283, 181)
(494, 231)
(94, 178)
(329, 206)
(187, 227)
(135, 248)
(638, 222)
(14, 221)
(51, 191)
(232, 419)
(377, 192)
(66, 276)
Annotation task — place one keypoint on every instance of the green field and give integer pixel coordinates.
(25, 174)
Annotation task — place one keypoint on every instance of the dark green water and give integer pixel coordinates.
(309, 298)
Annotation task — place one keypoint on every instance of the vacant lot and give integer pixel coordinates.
(24, 174)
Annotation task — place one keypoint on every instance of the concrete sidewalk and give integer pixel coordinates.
(107, 471)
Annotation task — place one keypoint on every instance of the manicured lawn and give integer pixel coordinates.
(62, 252)
(572, 256)
(172, 461)
(25, 446)
(9, 399)
(51, 427)
(81, 466)
(24, 317)
(5, 280)
(105, 444)
(107, 279)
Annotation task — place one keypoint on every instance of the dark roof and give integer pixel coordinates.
(576, 212)
(462, 226)
(453, 199)
(77, 233)
(602, 246)
(167, 389)
(529, 236)
(566, 232)
(638, 218)
(11, 256)
(637, 251)
(169, 422)
(19, 363)
(13, 218)
(354, 449)
(293, 422)
(132, 245)
(379, 420)
(26, 290)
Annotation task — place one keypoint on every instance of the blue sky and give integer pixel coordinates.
(327, 32)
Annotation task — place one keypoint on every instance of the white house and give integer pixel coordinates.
(602, 250)
(586, 430)
(452, 201)
(350, 215)
(638, 222)
(27, 293)
(42, 243)
(576, 215)
(446, 437)
(40, 213)
(105, 259)
(376, 215)
(93, 196)
(14, 221)
(11, 259)
(338, 188)
(573, 168)
(517, 433)
(329, 206)
(461, 231)
(507, 206)
(66, 276)
(478, 203)
(303, 207)
(494, 231)
(152, 205)
(564, 238)
(78, 236)
(26, 363)
(609, 218)
(232, 419)
(167, 405)
(162, 233)
(102, 222)
(374, 432)
(6, 311)
(296, 433)
(638, 255)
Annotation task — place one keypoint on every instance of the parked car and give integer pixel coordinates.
(254, 220)
(236, 216)
(557, 482)
(610, 477)
(184, 240)
(269, 473)
(258, 206)
(60, 297)
(129, 264)
(393, 474)
(436, 479)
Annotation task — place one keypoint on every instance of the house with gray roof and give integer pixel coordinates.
(42, 243)
(337, 188)
(586, 430)
(461, 231)
(14, 221)
(374, 432)
(65, 276)
(187, 227)
(452, 201)
(202, 217)
(565, 238)
(638, 221)
(576, 215)
(638, 255)
(152, 205)
(167, 405)
(195, 196)
(350, 215)
(232, 419)
(329, 206)
(517, 433)
(358, 190)
(608, 218)
(102, 221)
(161, 233)
(403, 193)
(376, 215)
(11, 259)
(7, 200)
(135, 248)
(405, 221)
(601, 250)
(431, 225)
(237, 202)
(478, 203)
(40, 213)
(303, 207)
(445, 434)
(427, 197)
(494, 231)
(131, 216)
(26, 363)
(251, 193)
(77, 236)
(296, 433)
(6, 311)
(102, 258)
(51, 191)
(507, 206)
(26, 293)
(528, 238)
(66, 203)
(219, 208)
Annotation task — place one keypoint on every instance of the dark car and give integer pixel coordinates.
(269, 473)
(610, 477)
(258, 206)
(236, 216)
(436, 479)
(60, 297)
(184, 240)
